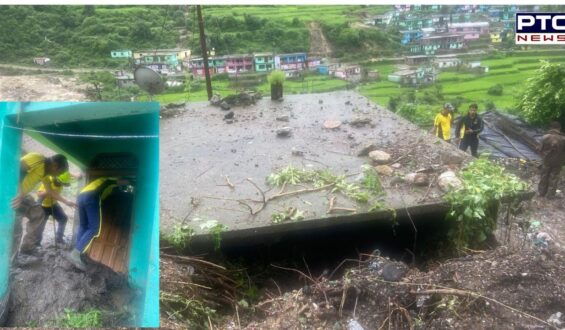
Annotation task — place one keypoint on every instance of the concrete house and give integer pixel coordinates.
(416, 60)
(264, 62)
(291, 62)
(470, 30)
(197, 67)
(403, 77)
(348, 72)
(446, 61)
(313, 63)
(121, 54)
(438, 44)
(409, 36)
(238, 63)
(41, 60)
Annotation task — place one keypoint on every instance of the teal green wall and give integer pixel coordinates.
(107, 119)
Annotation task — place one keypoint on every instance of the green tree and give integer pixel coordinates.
(100, 84)
(543, 99)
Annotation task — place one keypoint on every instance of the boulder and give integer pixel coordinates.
(215, 100)
(384, 170)
(448, 180)
(366, 149)
(451, 157)
(224, 105)
(229, 115)
(283, 118)
(418, 179)
(380, 157)
(284, 131)
(331, 124)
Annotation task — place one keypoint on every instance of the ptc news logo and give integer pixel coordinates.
(540, 29)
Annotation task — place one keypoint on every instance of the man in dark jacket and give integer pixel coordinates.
(468, 129)
(552, 151)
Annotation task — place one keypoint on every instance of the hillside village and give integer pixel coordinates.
(335, 205)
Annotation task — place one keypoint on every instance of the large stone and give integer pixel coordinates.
(229, 115)
(366, 149)
(283, 118)
(331, 124)
(418, 179)
(394, 271)
(284, 131)
(216, 99)
(451, 157)
(380, 157)
(225, 106)
(448, 180)
(384, 170)
(360, 122)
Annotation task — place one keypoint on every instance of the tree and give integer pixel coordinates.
(543, 99)
(99, 83)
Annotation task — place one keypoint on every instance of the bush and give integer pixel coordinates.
(276, 77)
(489, 105)
(495, 90)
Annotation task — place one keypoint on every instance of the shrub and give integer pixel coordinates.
(276, 77)
(495, 90)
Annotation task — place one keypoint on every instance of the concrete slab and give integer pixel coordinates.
(199, 149)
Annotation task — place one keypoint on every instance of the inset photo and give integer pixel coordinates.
(79, 214)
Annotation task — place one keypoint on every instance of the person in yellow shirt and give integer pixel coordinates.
(90, 214)
(34, 168)
(442, 123)
(51, 207)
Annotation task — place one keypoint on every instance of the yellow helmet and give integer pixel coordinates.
(65, 178)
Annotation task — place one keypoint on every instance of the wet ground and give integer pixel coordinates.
(200, 151)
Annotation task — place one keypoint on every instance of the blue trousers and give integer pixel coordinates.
(56, 211)
(90, 215)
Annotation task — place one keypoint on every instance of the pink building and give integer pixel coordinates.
(470, 30)
(239, 63)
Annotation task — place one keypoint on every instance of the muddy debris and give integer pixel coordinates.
(360, 122)
(43, 285)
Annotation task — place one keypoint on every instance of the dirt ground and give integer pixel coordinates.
(45, 284)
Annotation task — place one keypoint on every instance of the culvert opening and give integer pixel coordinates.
(414, 239)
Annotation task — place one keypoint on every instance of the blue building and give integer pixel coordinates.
(410, 36)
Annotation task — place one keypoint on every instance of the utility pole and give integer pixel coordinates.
(204, 51)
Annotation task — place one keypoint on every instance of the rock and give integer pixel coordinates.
(283, 118)
(354, 325)
(555, 319)
(224, 105)
(350, 136)
(396, 165)
(229, 121)
(379, 156)
(394, 271)
(451, 157)
(215, 100)
(360, 122)
(418, 179)
(331, 124)
(449, 180)
(284, 131)
(320, 101)
(348, 103)
(298, 153)
(229, 115)
(384, 170)
(366, 149)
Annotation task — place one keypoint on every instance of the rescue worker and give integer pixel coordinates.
(468, 129)
(90, 201)
(442, 123)
(51, 207)
(34, 168)
(552, 151)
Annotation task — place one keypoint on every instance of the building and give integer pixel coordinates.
(327, 68)
(239, 63)
(416, 60)
(291, 62)
(409, 36)
(438, 44)
(348, 72)
(470, 30)
(446, 61)
(197, 66)
(41, 60)
(496, 37)
(173, 58)
(403, 77)
(264, 62)
(381, 20)
(121, 54)
(313, 63)
(124, 78)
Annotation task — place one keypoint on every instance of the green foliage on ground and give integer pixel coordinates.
(544, 97)
(180, 236)
(73, 319)
(276, 77)
(474, 208)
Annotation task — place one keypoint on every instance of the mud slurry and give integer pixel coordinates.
(46, 283)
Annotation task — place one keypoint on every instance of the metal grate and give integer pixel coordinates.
(114, 162)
